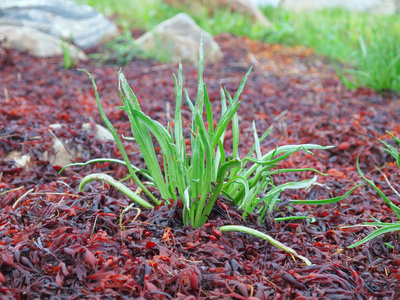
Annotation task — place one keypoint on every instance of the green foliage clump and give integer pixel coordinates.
(382, 227)
(200, 175)
(366, 43)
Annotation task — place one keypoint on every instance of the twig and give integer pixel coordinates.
(9, 191)
(22, 197)
(6, 95)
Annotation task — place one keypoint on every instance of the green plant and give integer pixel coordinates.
(200, 175)
(224, 20)
(68, 61)
(379, 64)
(122, 49)
(383, 227)
(134, 13)
(119, 51)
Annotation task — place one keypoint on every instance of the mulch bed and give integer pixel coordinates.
(56, 243)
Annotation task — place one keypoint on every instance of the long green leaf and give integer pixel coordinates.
(220, 180)
(179, 138)
(265, 237)
(228, 114)
(208, 112)
(263, 137)
(395, 209)
(110, 160)
(207, 176)
(256, 141)
(283, 149)
(142, 136)
(116, 184)
(376, 233)
(325, 201)
(168, 149)
(220, 149)
(118, 141)
(281, 171)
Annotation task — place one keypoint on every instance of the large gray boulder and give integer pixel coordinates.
(384, 7)
(35, 42)
(178, 38)
(59, 18)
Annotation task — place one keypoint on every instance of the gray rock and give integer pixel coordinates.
(60, 18)
(102, 133)
(383, 7)
(178, 39)
(36, 43)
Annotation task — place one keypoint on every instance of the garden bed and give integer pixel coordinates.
(55, 241)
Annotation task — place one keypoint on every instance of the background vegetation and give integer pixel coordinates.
(364, 46)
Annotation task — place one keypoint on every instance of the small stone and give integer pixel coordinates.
(21, 160)
(102, 133)
(179, 39)
(60, 156)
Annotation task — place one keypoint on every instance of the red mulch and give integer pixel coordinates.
(57, 243)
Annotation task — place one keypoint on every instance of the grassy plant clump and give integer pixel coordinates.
(119, 51)
(366, 42)
(382, 227)
(378, 65)
(200, 175)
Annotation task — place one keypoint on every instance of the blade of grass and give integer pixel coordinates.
(220, 180)
(207, 176)
(376, 233)
(142, 137)
(118, 141)
(116, 184)
(325, 201)
(179, 138)
(266, 237)
(228, 114)
(395, 209)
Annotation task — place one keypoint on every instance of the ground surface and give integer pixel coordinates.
(57, 242)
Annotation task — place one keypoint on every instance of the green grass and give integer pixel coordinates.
(147, 14)
(367, 43)
(334, 33)
(365, 46)
(133, 13)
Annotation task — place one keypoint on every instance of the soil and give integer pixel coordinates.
(56, 243)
